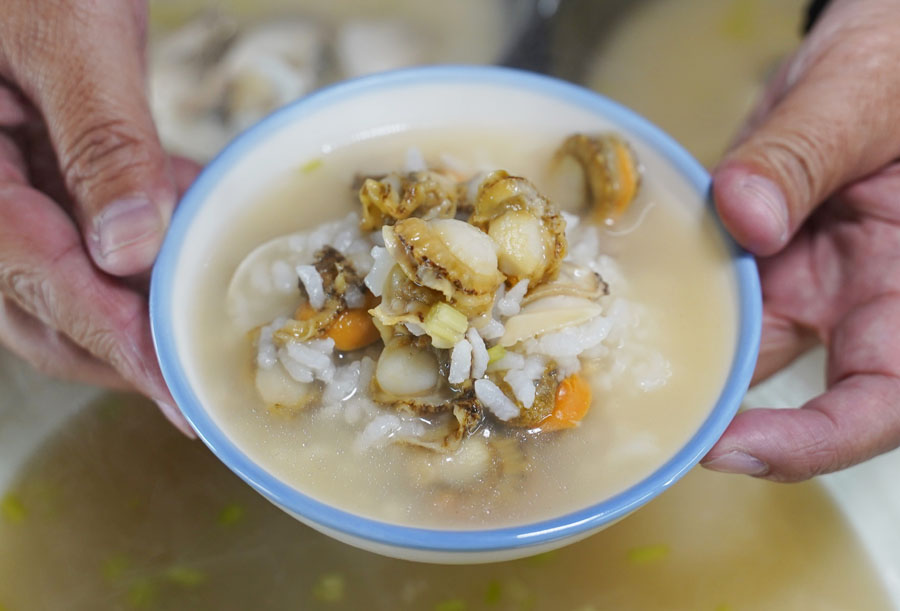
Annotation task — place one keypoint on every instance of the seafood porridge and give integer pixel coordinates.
(467, 330)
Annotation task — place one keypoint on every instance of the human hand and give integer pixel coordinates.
(828, 130)
(86, 193)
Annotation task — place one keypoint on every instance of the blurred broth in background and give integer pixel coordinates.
(695, 67)
(119, 511)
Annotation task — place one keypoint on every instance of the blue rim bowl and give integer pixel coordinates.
(346, 525)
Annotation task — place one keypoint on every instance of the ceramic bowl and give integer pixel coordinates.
(421, 98)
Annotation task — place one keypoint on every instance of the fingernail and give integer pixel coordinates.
(771, 205)
(125, 223)
(737, 462)
(174, 415)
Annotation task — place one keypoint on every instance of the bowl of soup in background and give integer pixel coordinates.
(611, 474)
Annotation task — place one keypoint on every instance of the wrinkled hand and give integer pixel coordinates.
(827, 131)
(86, 193)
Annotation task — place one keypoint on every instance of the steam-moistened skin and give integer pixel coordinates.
(406, 370)
(811, 187)
(85, 193)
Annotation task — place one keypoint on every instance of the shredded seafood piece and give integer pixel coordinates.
(495, 400)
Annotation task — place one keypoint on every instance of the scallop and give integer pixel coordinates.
(449, 256)
(394, 197)
(405, 370)
(611, 173)
(528, 230)
(403, 301)
(279, 390)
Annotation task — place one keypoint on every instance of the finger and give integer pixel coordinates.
(52, 353)
(12, 166)
(14, 110)
(85, 77)
(856, 419)
(836, 123)
(185, 171)
(46, 273)
(781, 342)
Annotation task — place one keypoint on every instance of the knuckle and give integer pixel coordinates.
(17, 333)
(109, 342)
(25, 288)
(800, 154)
(102, 149)
(798, 158)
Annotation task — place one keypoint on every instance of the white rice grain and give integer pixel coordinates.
(510, 360)
(354, 297)
(493, 398)
(266, 354)
(358, 408)
(572, 341)
(284, 280)
(568, 365)
(385, 428)
(572, 221)
(454, 164)
(295, 369)
(312, 282)
(460, 362)
(510, 303)
(315, 356)
(344, 385)
(417, 330)
(522, 386)
(366, 371)
(480, 355)
(415, 161)
(381, 267)
(493, 329)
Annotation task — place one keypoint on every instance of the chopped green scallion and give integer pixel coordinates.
(312, 165)
(648, 553)
(445, 325)
(454, 604)
(330, 588)
(495, 353)
(12, 509)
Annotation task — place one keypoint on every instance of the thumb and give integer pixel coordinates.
(836, 122)
(86, 78)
